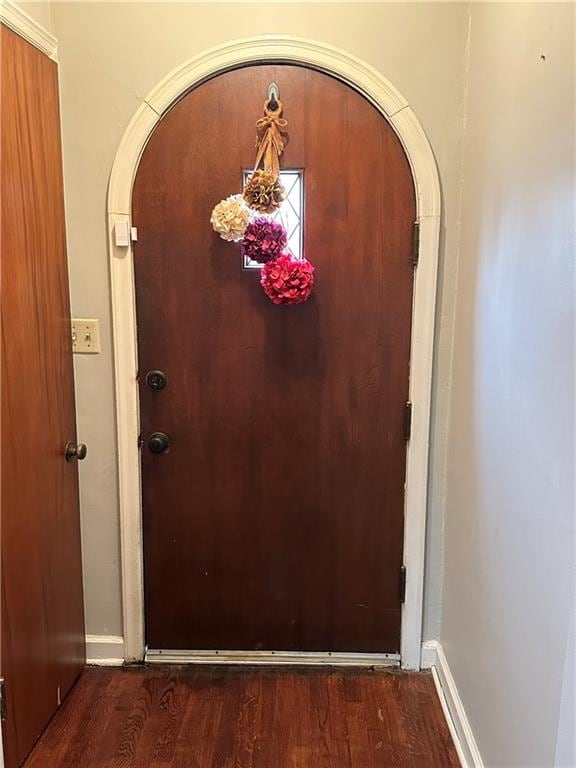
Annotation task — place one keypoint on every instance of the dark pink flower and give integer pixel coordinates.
(287, 280)
(263, 240)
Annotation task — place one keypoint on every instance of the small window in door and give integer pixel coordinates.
(290, 213)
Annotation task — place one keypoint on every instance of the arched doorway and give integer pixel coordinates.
(427, 198)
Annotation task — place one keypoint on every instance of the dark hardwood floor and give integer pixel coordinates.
(238, 717)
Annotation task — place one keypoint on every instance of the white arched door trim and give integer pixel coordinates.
(397, 111)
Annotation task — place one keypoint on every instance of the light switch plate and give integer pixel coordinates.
(85, 336)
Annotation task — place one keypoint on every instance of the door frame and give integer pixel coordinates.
(395, 108)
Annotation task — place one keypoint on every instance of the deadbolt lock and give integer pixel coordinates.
(156, 380)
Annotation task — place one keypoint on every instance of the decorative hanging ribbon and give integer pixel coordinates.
(270, 143)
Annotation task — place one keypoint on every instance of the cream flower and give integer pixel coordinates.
(230, 218)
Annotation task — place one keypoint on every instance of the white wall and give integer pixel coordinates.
(509, 570)
(39, 10)
(566, 738)
(111, 55)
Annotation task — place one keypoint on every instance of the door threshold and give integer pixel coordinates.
(293, 658)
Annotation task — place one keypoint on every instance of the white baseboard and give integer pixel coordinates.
(428, 654)
(433, 658)
(105, 650)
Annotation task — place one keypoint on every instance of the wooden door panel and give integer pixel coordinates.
(276, 519)
(43, 645)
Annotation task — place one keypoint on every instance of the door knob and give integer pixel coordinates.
(74, 451)
(158, 442)
(156, 380)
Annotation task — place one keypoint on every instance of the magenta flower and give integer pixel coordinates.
(263, 240)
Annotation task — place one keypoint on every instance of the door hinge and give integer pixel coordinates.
(415, 243)
(3, 707)
(402, 584)
(408, 421)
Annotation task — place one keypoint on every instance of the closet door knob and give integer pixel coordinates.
(75, 451)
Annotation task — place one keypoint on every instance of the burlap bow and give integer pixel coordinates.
(270, 143)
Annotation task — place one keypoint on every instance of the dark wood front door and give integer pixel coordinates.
(276, 519)
(43, 646)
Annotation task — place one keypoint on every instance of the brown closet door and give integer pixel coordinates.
(276, 519)
(42, 612)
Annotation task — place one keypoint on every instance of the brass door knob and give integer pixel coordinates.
(75, 451)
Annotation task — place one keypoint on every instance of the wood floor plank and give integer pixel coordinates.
(247, 717)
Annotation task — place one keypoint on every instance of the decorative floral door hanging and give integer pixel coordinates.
(246, 218)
